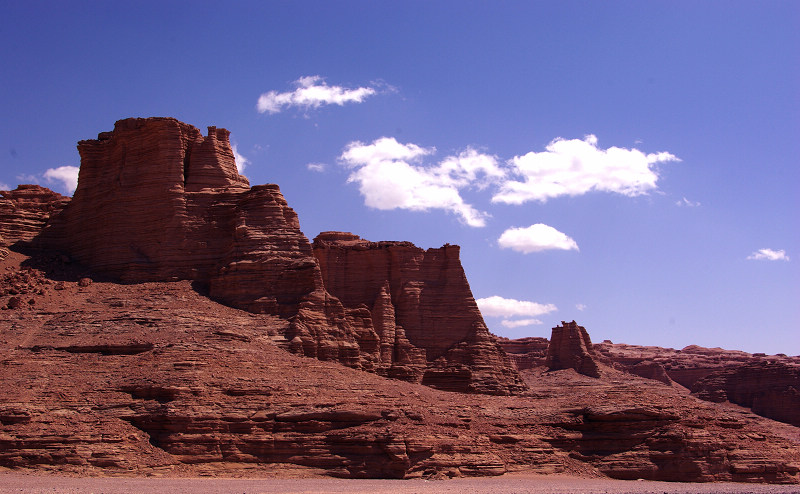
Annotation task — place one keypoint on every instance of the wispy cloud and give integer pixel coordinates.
(768, 255)
(686, 202)
(574, 167)
(536, 238)
(241, 161)
(67, 175)
(312, 92)
(316, 167)
(580, 307)
(391, 175)
(4, 186)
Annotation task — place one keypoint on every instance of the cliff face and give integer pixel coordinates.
(422, 310)
(25, 211)
(770, 389)
(158, 201)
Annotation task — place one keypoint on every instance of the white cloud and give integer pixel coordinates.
(535, 238)
(768, 255)
(241, 161)
(580, 307)
(686, 202)
(496, 306)
(316, 167)
(520, 322)
(67, 175)
(574, 167)
(4, 186)
(390, 176)
(312, 92)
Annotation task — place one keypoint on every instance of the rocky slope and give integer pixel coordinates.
(158, 201)
(157, 379)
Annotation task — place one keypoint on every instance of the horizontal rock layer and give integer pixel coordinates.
(109, 379)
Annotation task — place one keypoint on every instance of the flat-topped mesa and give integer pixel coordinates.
(571, 348)
(431, 308)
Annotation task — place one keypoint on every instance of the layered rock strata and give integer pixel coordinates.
(571, 348)
(771, 389)
(25, 211)
(421, 309)
(158, 201)
(155, 379)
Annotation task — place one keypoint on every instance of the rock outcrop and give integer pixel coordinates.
(25, 211)
(571, 348)
(424, 318)
(158, 201)
(770, 389)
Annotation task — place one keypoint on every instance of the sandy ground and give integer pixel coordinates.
(553, 484)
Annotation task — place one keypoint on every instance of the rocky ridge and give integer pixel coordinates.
(156, 377)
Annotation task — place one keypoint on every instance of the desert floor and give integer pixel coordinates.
(551, 484)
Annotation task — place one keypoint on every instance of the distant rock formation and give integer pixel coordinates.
(770, 389)
(25, 210)
(571, 348)
(158, 201)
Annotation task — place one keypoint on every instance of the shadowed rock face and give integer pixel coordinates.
(158, 201)
(25, 210)
(571, 348)
(771, 389)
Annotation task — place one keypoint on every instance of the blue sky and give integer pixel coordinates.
(629, 165)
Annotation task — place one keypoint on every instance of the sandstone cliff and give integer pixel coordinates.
(158, 201)
(424, 318)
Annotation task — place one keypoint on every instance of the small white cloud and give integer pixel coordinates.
(686, 202)
(316, 167)
(580, 307)
(574, 167)
(496, 306)
(241, 161)
(390, 175)
(519, 322)
(67, 175)
(312, 92)
(768, 255)
(4, 186)
(535, 238)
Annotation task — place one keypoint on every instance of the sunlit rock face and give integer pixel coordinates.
(421, 301)
(158, 201)
(571, 348)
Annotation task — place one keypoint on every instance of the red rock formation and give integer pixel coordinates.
(770, 389)
(425, 316)
(571, 348)
(25, 210)
(525, 352)
(157, 201)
